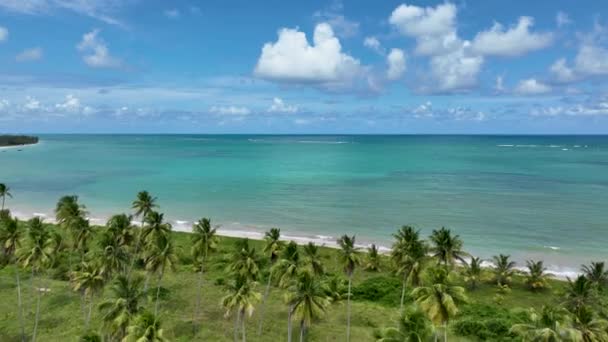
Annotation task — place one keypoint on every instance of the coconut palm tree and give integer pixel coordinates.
(312, 259)
(272, 248)
(121, 229)
(550, 325)
(579, 293)
(472, 273)
(286, 269)
(204, 241)
(112, 255)
(38, 256)
(308, 299)
(4, 192)
(10, 242)
(536, 279)
(414, 326)
(440, 299)
(503, 269)
(123, 305)
(373, 261)
(348, 255)
(408, 254)
(82, 233)
(145, 328)
(70, 216)
(597, 273)
(447, 248)
(240, 300)
(587, 327)
(143, 205)
(90, 281)
(244, 260)
(160, 257)
(336, 288)
(154, 227)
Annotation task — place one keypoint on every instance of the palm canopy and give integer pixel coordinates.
(4, 193)
(503, 269)
(313, 259)
(413, 326)
(123, 304)
(288, 265)
(372, 263)
(597, 273)
(440, 299)
(144, 203)
(154, 227)
(348, 254)
(588, 327)
(88, 279)
(121, 229)
(550, 325)
(408, 254)
(273, 244)
(244, 261)
(145, 328)
(447, 248)
(160, 256)
(472, 273)
(307, 298)
(69, 209)
(204, 239)
(580, 292)
(113, 257)
(536, 278)
(38, 253)
(10, 235)
(241, 296)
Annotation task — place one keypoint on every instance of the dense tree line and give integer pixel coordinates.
(14, 140)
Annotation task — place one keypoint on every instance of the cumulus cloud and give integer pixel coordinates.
(29, 55)
(374, 44)
(72, 105)
(457, 70)
(293, 59)
(562, 19)
(3, 34)
(279, 106)
(230, 110)
(515, 41)
(531, 86)
(396, 64)
(96, 52)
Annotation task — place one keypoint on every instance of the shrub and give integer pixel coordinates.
(381, 289)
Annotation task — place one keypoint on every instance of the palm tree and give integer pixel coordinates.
(536, 279)
(121, 229)
(82, 233)
(307, 299)
(579, 293)
(204, 241)
(373, 261)
(158, 258)
(597, 274)
(312, 259)
(89, 280)
(145, 328)
(272, 247)
(143, 205)
(244, 260)
(588, 328)
(10, 241)
(548, 326)
(408, 254)
(503, 269)
(37, 255)
(113, 256)
(154, 227)
(414, 326)
(472, 273)
(336, 288)
(123, 305)
(70, 216)
(287, 268)
(349, 259)
(440, 300)
(447, 248)
(4, 192)
(240, 300)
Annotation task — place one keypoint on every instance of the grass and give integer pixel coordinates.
(62, 318)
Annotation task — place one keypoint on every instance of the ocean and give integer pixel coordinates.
(533, 197)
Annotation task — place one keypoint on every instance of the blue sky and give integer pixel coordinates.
(228, 66)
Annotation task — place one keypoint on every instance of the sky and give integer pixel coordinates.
(232, 66)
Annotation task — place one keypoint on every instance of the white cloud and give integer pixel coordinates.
(173, 13)
(29, 55)
(3, 34)
(562, 19)
(374, 44)
(456, 71)
(230, 110)
(532, 87)
(562, 72)
(591, 59)
(396, 64)
(499, 85)
(279, 106)
(31, 104)
(96, 51)
(292, 59)
(515, 41)
(344, 28)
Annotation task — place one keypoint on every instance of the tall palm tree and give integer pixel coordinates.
(10, 242)
(154, 227)
(551, 324)
(503, 269)
(70, 216)
(308, 299)
(121, 229)
(90, 281)
(447, 248)
(244, 260)
(145, 328)
(240, 300)
(536, 279)
(408, 254)
(440, 299)
(272, 248)
(287, 268)
(312, 259)
(204, 241)
(123, 305)
(38, 256)
(373, 261)
(82, 233)
(112, 255)
(143, 205)
(579, 293)
(587, 327)
(349, 259)
(336, 288)
(4, 192)
(159, 257)
(597, 273)
(472, 273)
(414, 326)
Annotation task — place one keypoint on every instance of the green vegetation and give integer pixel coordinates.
(121, 282)
(16, 140)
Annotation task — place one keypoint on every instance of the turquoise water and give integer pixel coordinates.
(528, 196)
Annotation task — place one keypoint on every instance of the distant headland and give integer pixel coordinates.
(17, 140)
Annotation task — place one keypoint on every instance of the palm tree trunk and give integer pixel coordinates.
(198, 297)
(289, 323)
(236, 325)
(302, 331)
(160, 278)
(147, 282)
(243, 326)
(266, 292)
(3, 198)
(37, 316)
(86, 326)
(137, 247)
(403, 291)
(350, 281)
(445, 332)
(19, 304)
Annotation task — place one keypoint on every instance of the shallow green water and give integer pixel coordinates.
(529, 196)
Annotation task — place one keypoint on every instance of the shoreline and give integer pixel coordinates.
(239, 230)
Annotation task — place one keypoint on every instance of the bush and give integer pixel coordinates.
(486, 323)
(381, 289)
